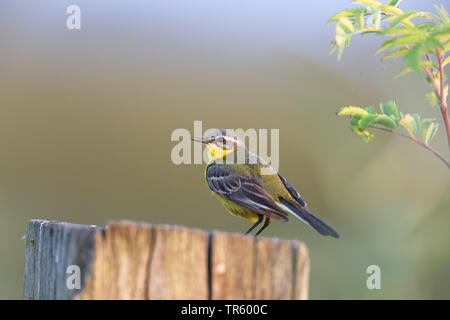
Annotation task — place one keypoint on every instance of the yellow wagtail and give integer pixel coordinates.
(234, 176)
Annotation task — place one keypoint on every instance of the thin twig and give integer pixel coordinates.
(426, 146)
(441, 96)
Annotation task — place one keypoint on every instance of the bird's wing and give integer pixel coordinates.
(294, 194)
(244, 191)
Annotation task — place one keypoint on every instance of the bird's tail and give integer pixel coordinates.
(309, 219)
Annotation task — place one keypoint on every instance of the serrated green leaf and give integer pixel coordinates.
(428, 128)
(395, 53)
(410, 124)
(352, 111)
(390, 109)
(432, 98)
(405, 40)
(401, 18)
(412, 58)
(407, 69)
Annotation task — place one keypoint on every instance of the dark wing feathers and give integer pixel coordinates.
(294, 194)
(243, 191)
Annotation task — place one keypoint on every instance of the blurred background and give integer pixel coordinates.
(86, 118)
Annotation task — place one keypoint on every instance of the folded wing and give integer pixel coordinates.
(244, 191)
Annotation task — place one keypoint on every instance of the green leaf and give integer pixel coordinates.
(371, 110)
(416, 118)
(428, 128)
(373, 3)
(386, 121)
(441, 30)
(354, 121)
(412, 58)
(364, 134)
(377, 18)
(447, 46)
(407, 69)
(443, 13)
(344, 13)
(401, 18)
(446, 61)
(393, 2)
(432, 98)
(410, 124)
(405, 40)
(426, 26)
(392, 10)
(395, 53)
(360, 19)
(347, 24)
(433, 43)
(390, 109)
(366, 121)
(352, 111)
(403, 71)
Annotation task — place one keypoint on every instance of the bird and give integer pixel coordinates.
(235, 176)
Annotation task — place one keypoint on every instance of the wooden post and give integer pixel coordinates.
(128, 260)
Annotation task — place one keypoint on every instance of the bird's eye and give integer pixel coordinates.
(221, 140)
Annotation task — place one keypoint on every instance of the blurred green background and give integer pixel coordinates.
(86, 118)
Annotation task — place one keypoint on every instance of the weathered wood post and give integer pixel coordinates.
(128, 260)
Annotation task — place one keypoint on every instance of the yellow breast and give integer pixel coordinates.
(236, 209)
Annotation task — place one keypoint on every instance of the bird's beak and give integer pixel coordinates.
(202, 139)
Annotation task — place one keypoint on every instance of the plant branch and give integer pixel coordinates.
(442, 97)
(426, 146)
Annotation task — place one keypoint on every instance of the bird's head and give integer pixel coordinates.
(220, 143)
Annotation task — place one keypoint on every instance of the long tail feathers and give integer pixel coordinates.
(309, 219)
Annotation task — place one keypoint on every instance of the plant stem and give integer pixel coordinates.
(442, 97)
(426, 146)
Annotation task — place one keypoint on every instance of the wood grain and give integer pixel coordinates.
(130, 260)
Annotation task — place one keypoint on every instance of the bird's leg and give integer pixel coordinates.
(265, 225)
(260, 219)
